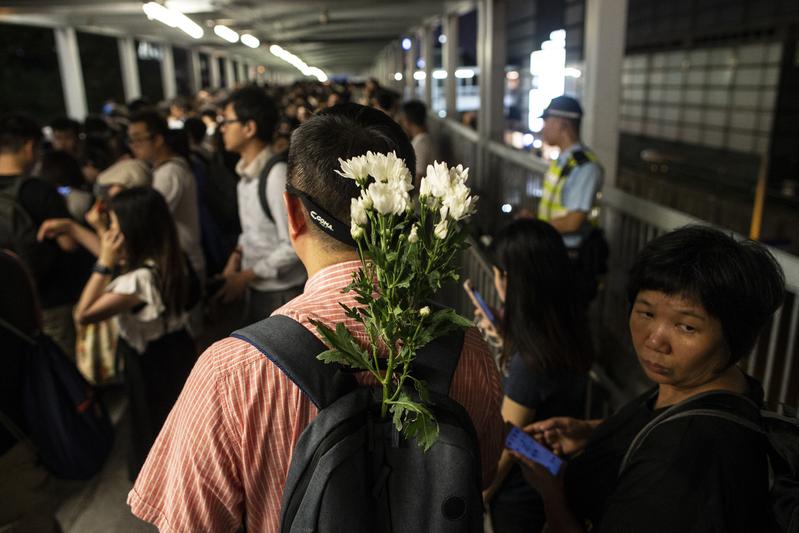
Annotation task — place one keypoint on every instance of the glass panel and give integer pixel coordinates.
(205, 70)
(182, 70)
(220, 61)
(149, 60)
(30, 62)
(102, 75)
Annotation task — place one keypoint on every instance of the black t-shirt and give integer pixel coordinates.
(549, 393)
(693, 474)
(59, 275)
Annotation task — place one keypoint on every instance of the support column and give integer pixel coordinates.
(230, 76)
(605, 32)
(216, 81)
(196, 71)
(130, 68)
(242, 73)
(450, 63)
(491, 56)
(427, 55)
(168, 72)
(410, 68)
(71, 72)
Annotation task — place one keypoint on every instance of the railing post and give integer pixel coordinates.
(427, 55)
(213, 68)
(450, 61)
(71, 72)
(129, 67)
(230, 77)
(196, 71)
(410, 68)
(491, 54)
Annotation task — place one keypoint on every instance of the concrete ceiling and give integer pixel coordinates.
(338, 36)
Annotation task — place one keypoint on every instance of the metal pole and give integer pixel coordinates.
(130, 68)
(451, 64)
(71, 72)
(216, 81)
(196, 71)
(410, 68)
(229, 74)
(242, 73)
(491, 57)
(427, 54)
(168, 72)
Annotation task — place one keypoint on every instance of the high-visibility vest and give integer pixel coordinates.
(551, 204)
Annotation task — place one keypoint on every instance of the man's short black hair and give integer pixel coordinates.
(342, 131)
(195, 129)
(252, 103)
(156, 123)
(738, 282)
(16, 130)
(415, 112)
(386, 99)
(66, 124)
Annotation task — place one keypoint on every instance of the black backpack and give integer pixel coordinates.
(282, 157)
(67, 423)
(351, 471)
(782, 448)
(17, 228)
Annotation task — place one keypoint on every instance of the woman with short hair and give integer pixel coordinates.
(698, 302)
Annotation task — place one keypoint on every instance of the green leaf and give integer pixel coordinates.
(415, 421)
(342, 340)
(339, 357)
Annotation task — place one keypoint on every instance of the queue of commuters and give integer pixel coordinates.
(183, 223)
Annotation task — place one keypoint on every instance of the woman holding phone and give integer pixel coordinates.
(149, 298)
(698, 302)
(546, 353)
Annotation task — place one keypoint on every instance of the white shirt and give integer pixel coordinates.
(148, 323)
(266, 248)
(424, 149)
(175, 181)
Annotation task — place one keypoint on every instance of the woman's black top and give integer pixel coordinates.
(692, 474)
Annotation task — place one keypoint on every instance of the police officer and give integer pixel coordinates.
(573, 180)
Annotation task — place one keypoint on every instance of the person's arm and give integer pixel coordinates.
(167, 182)
(56, 227)
(95, 304)
(579, 193)
(520, 416)
(570, 222)
(283, 255)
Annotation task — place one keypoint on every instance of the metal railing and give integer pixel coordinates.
(506, 176)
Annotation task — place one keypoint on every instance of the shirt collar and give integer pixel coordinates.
(333, 277)
(564, 155)
(253, 170)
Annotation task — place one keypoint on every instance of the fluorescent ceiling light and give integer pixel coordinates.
(297, 63)
(440, 74)
(406, 44)
(172, 18)
(419, 75)
(250, 40)
(226, 33)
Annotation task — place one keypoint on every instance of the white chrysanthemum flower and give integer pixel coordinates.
(458, 202)
(424, 311)
(356, 231)
(358, 212)
(459, 174)
(413, 237)
(441, 229)
(386, 167)
(355, 168)
(387, 199)
(437, 181)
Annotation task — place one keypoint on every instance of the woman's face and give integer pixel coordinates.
(676, 341)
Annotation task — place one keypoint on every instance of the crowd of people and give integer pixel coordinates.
(171, 226)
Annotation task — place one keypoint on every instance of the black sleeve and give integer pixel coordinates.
(42, 201)
(693, 475)
(526, 387)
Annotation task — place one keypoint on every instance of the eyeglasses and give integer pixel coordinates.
(226, 121)
(137, 140)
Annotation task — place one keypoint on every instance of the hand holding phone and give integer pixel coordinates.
(519, 441)
(478, 301)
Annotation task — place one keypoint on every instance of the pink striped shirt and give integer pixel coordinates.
(227, 445)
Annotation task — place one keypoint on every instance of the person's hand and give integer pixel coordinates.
(562, 435)
(111, 248)
(488, 495)
(548, 486)
(97, 217)
(233, 264)
(235, 286)
(487, 328)
(54, 227)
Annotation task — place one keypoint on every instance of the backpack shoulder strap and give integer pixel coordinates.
(678, 411)
(293, 349)
(436, 362)
(263, 178)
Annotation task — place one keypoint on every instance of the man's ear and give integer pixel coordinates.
(29, 149)
(249, 129)
(296, 216)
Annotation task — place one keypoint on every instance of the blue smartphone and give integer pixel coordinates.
(521, 442)
(63, 191)
(484, 306)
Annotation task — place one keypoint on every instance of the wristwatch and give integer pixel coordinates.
(102, 269)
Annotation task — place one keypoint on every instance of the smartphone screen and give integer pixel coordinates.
(484, 306)
(526, 445)
(63, 191)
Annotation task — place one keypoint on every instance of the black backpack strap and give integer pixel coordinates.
(293, 349)
(263, 178)
(436, 362)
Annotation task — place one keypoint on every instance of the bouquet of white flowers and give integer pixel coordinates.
(406, 255)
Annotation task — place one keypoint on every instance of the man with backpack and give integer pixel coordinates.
(235, 449)
(25, 202)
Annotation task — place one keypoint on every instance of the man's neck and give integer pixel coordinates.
(162, 157)
(567, 142)
(416, 130)
(316, 261)
(10, 165)
(251, 151)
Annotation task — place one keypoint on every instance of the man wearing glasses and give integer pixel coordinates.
(263, 267)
